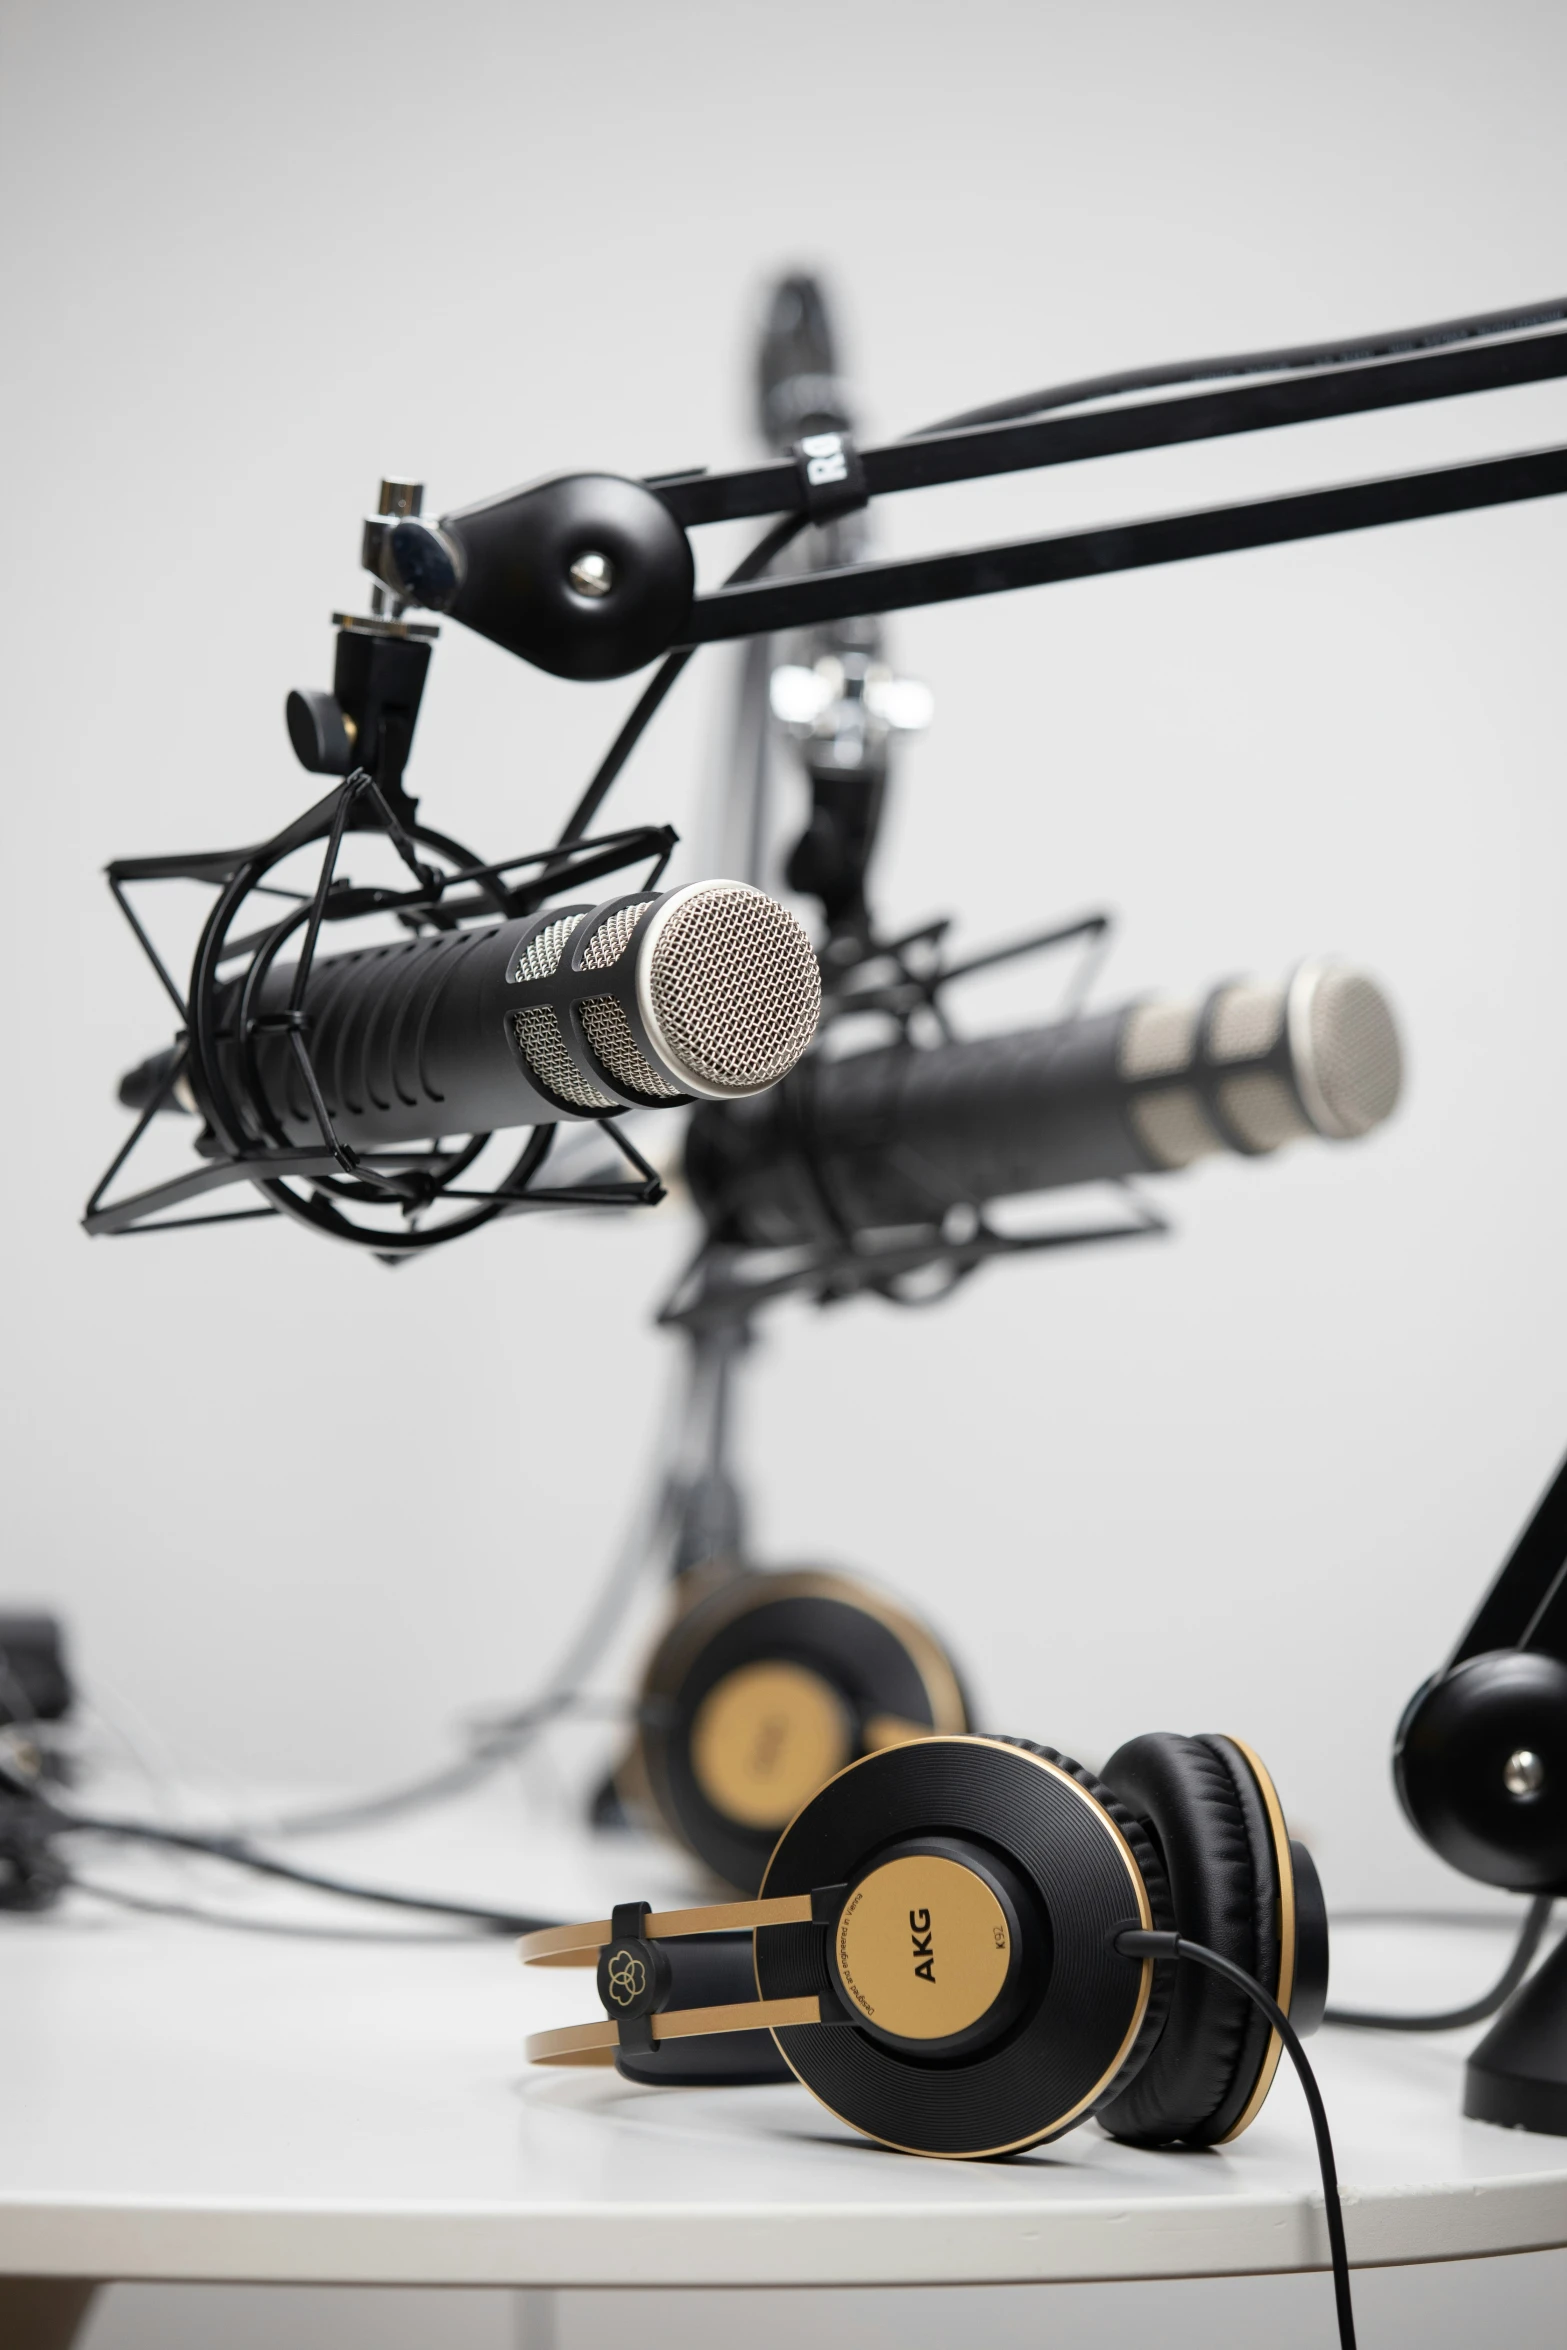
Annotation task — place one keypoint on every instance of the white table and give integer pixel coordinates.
(188, 2104)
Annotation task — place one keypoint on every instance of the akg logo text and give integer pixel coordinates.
(924, 1957)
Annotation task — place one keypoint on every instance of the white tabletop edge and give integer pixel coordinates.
(772, 2244)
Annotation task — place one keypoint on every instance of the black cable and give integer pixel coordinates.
(1135, 1942)
(754, 564)
(233, 1922)
(242, 1855)
(1302, 356)
(1453, 2019)
(451, 1779)
(1293, 360)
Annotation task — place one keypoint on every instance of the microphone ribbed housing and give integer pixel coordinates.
(728, 987)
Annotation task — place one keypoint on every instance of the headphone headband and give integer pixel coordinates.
(634, 1976)
(580, 1945)
(599, 2043)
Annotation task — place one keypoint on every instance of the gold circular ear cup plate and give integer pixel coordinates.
(883, 1669)
(764, 1739)
(922, 1947)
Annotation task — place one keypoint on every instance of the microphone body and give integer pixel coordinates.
(896, 1138)
(710, 991)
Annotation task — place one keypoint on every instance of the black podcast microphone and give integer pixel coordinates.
(708, 992)
(896, 1138)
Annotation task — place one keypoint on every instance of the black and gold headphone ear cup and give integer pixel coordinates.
(762, 1689)
(1201, 1802)
(1076, 1868)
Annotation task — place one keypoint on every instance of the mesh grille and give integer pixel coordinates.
(1246, 1022)
(1262, 1110)
(612, 937)
(1355, 1053)
(541, 956)
(544, 1050)
(734, 987)
(1157, 1040)
(608, 1031)
(1172, 1126)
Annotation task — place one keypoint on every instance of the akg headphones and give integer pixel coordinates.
(763, 1686)
(938, 1950)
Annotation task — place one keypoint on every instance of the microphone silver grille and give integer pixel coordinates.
(1348, 1062)
(544, 1049)
(1245, 1022)
(612, 937)
(538, 1030)
(543, 952)
(1328, 1036)
(731, 992)
(608, 1031)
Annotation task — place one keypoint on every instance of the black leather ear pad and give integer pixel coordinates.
(1201, 1803)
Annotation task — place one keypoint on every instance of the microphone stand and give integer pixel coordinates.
(1480, 1764)
(839, 700)
(800, 392)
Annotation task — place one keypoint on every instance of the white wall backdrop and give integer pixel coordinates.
(300, 1511)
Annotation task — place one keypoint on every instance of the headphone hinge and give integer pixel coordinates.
(634, 1977)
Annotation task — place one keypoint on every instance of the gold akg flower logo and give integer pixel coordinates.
(627, 1977)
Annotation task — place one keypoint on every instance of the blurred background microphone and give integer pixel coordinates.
(898, 1137)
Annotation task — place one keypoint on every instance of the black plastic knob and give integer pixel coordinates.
(421, 565)
(322, 736)
(1456, 1764)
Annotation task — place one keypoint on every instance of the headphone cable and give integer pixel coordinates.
(52, 1820)
(1453, 2019)
(237, 1921)
(1135, 1942)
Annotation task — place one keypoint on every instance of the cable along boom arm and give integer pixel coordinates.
(592, 575)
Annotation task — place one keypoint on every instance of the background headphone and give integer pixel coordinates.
(763, 1686)
(935, 1950)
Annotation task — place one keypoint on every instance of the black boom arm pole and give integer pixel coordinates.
(593, 575)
